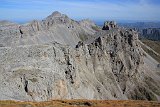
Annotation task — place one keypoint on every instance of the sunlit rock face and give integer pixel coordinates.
(46, 60)
(56, 27)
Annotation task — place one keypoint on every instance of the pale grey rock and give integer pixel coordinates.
(110, 65)
(56, 27)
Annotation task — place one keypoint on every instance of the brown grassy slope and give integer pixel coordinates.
(155, 45)
(79, 103)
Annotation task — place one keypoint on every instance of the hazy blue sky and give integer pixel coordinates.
(24, 10)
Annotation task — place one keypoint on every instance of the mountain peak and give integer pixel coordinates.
(56, 14)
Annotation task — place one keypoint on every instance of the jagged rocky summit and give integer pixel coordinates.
(59, 58)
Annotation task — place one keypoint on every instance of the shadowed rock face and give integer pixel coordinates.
(110, 65)
(108, 25)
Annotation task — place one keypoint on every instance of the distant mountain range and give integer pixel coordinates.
(141, 25)
(147, 30)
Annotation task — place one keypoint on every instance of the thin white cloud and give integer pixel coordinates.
(141, 10)
(124, 9)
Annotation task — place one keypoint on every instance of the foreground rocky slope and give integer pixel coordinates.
(108, 64)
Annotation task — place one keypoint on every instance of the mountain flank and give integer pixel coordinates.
(59, 58)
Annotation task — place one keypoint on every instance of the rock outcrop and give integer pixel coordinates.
(110, 65)
(108, 25)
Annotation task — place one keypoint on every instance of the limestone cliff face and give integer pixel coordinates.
(111, 65)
